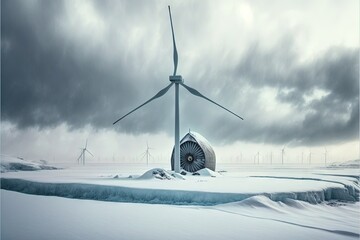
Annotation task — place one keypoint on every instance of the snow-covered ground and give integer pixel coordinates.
(253, 202)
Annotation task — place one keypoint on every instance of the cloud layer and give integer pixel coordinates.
(89, 62)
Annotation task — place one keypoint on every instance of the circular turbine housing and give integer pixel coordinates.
(195, 153)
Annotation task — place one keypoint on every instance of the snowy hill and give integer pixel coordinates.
(14, 164)
(347, 164)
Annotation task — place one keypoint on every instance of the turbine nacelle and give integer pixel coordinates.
(176, 79)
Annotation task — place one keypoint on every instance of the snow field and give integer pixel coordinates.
(43, 217)
(237, 203)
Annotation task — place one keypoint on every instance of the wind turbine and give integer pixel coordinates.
(257, 155)
(147, 154)
(82, 155)
(177, 80)
(302, 157)
(325, 154)
(282, 155)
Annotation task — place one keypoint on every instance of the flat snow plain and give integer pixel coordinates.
(100, 201)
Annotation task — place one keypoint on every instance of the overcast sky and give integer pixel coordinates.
(71, 68)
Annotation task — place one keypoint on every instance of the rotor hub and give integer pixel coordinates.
(192, 157)
(189, 158)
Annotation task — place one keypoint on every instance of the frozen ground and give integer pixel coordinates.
(238, 203)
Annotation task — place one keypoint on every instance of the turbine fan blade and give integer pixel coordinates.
(86, 144)
(175, 50)
(89, 152)
(159, 94)
(198, 94)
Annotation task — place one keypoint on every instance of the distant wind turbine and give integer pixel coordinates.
(147, 154)
(81, 158)
(302, 157)
(177, 80)
(282, 155)
(257, 156)
(325, 155)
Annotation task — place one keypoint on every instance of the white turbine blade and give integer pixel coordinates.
(175, 50)
(86, 144)
(159, 94)
(89, 152)
(198, 94)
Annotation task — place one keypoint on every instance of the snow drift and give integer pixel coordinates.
(161, 174)
(13, 164)
(28, 216)
(347, 164)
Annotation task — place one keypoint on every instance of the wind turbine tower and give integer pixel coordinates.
(176, 80)
(81, 158)
(325, 155)
(257, 156)
(302, 157)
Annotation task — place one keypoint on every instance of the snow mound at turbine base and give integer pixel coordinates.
(161, 174)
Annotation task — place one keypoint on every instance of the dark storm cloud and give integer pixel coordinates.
(324, 93)
(49, 78)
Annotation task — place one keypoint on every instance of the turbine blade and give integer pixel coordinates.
(159, 94)
(174, 44)
(143, 155)
(80, 155)
(198, 94)
(86, 144)
(89, 152)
